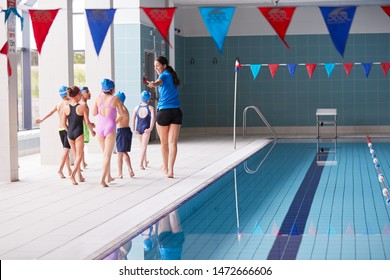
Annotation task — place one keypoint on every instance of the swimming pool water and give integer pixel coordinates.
(281, 203)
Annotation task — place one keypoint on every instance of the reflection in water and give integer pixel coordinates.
(288, 209)
(121, 253)
(162, 241)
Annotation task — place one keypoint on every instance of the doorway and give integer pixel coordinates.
(150, 75)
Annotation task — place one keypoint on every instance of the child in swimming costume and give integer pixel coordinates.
(85, 96)
(76, 114)
(108, 109)
(123, 138)
(143, 122)
(59, 108)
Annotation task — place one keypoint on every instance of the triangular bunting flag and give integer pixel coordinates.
(349, 230)
(291, 69)
(367, 68)
(13, 10)
(99, 20)
(275, 230)
(280, 19)
(257, 229)
(386, 9)
(331, 230)
(41, 22)
(368, 229)
(161, 18)
(385, 67)
(255, 68)
(312, 229)
(338, 21)
(273, 68)
(4, 50)
(386, 229)
(294, 230)
(310, 67)
(348, 67)
(329, 68)
(217, 21)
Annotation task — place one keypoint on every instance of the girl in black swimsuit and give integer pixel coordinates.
(75, 114)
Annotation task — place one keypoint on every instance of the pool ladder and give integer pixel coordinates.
(262, 118)
(247, 169)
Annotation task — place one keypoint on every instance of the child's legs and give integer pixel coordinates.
(108, 148)
(127, 160)
(120, 163)
(144, 146)
(64, 159)
(79, 143)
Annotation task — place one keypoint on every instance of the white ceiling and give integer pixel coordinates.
(280, 2)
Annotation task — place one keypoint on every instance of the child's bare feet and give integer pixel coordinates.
(110, 179)
(164, 169)
(120, 176)
(81, 179)
(74, 182)
(103, 184)
(62, 176)
(141, 167)
(131, 172)
(170, 174)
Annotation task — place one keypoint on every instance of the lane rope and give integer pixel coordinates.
(381, 177)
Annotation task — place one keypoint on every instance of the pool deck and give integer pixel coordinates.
(45, 217)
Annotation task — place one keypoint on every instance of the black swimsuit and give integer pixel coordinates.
(75, 123)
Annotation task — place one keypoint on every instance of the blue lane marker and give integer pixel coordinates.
(289, 239)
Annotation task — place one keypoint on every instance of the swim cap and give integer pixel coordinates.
(121, 96)
(83, 89)
(148, 244)
(145, 96)
(62, 91)
(107, 85)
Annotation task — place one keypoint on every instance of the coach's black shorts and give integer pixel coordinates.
(166, 117)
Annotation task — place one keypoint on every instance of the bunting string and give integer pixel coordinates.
(311, 67)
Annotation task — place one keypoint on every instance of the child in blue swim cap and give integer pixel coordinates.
(143, 122)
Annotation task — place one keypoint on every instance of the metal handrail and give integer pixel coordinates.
(262, 118)
(250, 171)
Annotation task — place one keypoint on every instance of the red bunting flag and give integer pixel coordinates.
(41, 23)
(273, 68)
(348, 67)
(386, 9)
(280, 19)
(161, 18)
(385, 67)
(4, 50)
(310, 69)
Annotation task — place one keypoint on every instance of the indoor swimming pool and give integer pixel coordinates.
(288, 201)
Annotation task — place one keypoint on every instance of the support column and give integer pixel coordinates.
(98, 67)
(9, 171)
(55, 70)
(26, 73)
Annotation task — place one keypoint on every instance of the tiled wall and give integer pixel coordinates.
(207, 93)
(131, 41)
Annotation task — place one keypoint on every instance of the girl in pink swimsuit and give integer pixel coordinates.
(106, 122)
(109, 110)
